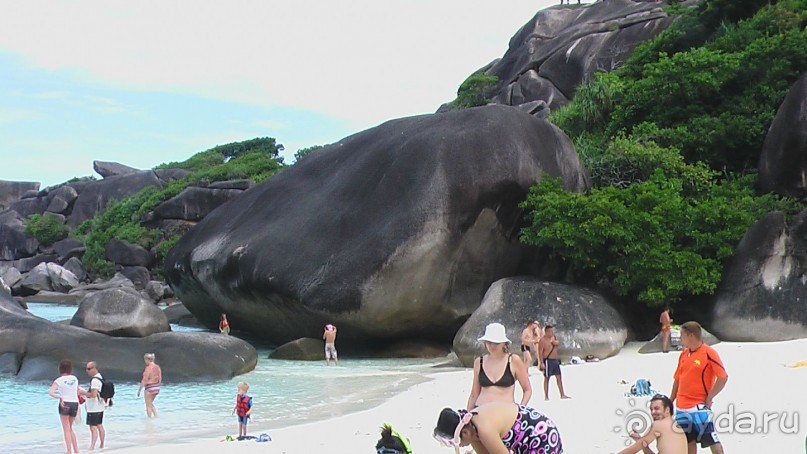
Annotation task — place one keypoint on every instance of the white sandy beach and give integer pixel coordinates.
(593, 421)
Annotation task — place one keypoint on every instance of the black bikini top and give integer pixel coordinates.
(506, 381)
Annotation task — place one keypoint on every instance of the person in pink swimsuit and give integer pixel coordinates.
(152, 378)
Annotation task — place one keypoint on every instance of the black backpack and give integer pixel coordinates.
(107, 389)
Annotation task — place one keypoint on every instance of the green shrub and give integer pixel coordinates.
(475, 91)
(46, 229)
(649, 241)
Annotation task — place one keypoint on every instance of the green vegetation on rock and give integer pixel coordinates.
(668, 140)
(46, 229)
(475, 91)
(255, 160)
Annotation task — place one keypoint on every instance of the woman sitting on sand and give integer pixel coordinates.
(152, 378)
(499, 427)
(501, 365)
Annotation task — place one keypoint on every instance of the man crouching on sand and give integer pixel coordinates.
(667, 434)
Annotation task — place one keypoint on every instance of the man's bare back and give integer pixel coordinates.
(330, 336)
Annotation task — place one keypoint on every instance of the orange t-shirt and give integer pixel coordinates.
(696, 375)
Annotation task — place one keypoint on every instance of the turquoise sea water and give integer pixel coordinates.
(284, 392)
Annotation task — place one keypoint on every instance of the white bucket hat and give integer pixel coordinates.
(495, 333)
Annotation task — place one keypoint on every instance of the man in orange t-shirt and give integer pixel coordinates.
(699, 377)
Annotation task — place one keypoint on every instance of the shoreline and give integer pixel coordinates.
(596, 419)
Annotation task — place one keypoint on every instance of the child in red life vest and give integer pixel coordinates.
(243, 408)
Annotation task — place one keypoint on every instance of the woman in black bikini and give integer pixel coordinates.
(496, 374)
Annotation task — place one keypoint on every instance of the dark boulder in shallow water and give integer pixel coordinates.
(394, 232)
(31, 348)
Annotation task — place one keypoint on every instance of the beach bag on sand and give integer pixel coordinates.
(641, 388)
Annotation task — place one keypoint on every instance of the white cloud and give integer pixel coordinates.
(363, 61)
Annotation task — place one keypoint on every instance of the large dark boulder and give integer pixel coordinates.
(585, 322)
(31, 348)
(15, 243)
(11, 191)
(563, 46)
(783, 161)
(763, 293)
(394, 231)
(120, 312)
(193, 203)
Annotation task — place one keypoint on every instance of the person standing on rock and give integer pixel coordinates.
(95, 407)
(224, 326)
(152, 378)
(330, 344)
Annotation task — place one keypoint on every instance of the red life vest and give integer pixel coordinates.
(242, 405)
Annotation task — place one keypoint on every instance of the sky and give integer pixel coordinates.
(148, 82)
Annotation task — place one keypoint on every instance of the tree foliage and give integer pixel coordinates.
(650, 241)
(668, 140)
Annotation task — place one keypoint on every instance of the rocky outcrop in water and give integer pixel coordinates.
(393, 232)
(31, 348)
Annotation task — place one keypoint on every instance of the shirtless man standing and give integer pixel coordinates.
(549, 362)
(666, 321)
(527, 342)
(330, 344)
(667, 434)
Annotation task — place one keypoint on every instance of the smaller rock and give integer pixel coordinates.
(654, 345)
(120, 312)
(155, 290)
(34, 281)
(67, 248)
(11, 276)
(303, 349)
(75, 266)
(139, 275)
(110, 169)
(178, 314)
(61, 279)
(57, 205)
(124, 253)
